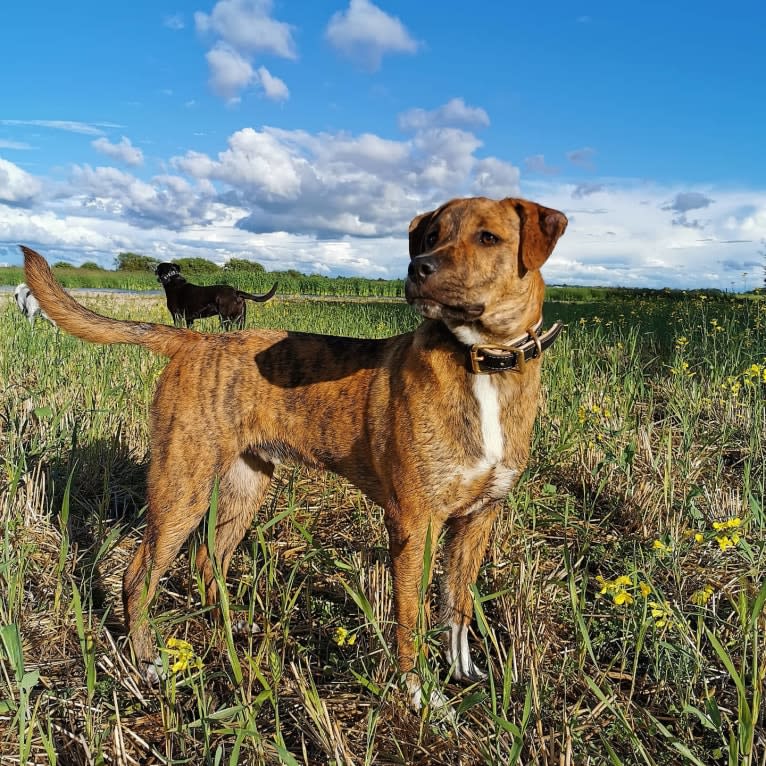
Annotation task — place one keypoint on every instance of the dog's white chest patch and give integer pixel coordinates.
(489, 415)
(498, 476)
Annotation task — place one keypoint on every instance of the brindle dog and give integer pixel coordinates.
(433, 425)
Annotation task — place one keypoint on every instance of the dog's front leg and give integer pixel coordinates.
(408, 533)
(466, 543)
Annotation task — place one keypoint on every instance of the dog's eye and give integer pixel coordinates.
(488, 238)
(431, 239)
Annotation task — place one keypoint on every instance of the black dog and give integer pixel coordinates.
(187, 302)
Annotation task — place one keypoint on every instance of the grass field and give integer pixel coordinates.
(620, 610)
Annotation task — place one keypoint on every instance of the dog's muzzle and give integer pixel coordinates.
(432, 300)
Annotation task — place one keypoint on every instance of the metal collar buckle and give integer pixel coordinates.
(516, 359)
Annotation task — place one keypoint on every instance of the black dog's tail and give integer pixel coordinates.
(260, 298)
(86, 324)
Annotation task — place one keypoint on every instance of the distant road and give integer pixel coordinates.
(161, 293)
(108, 290)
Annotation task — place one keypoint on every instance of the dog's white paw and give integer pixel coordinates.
(155, 672)
(242, 627)
(462, 666)
(436, 700)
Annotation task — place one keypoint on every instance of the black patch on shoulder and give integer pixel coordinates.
(302, 359)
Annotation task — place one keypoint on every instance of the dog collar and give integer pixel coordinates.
(489, 358)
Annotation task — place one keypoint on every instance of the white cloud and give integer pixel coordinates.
(365, 34)
(341, 203)
(586, 189)
(495, 178)
(344, 185)
(71, 126)
(170, 201)
(244, 28)
(59, 232)
(622, 236)
(247, 26)
(174, 22)
(682, 203)
(537, 164)
(5, 144)
(455, 114)
(367, 153)
(627, 235)
(685, 201)
(582, 157)
(256, 163)
(123, 151)
(229, 72)
(443, 158)
(273, 88)
(16, 185)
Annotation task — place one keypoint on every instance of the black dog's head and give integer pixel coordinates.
(167, 272)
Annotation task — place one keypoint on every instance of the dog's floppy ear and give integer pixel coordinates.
(539, 230)
(418, 227)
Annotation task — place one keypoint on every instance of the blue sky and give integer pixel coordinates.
(307, 134)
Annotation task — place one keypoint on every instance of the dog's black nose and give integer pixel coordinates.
(421, 267)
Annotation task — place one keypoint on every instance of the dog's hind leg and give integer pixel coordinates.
(241, 492)
(465, 545)
(175, 510)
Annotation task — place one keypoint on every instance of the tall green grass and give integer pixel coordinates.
(290, 282)
(620, 610)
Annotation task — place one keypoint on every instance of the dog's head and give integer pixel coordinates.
(167, 272)
(475, 263)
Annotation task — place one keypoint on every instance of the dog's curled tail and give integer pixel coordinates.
(83, 323)
(260, 298)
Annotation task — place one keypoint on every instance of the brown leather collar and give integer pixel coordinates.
(489, 358)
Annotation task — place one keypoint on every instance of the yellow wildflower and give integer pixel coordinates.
(182, 654)
(702, 596)
(699, 537)
(644, 588)
(603, 583)
(682, 368)
(616, 589)
(343, 637)
(661, 548)
(753, 374)
(725, 542)
(662, 614)
(733, 523)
